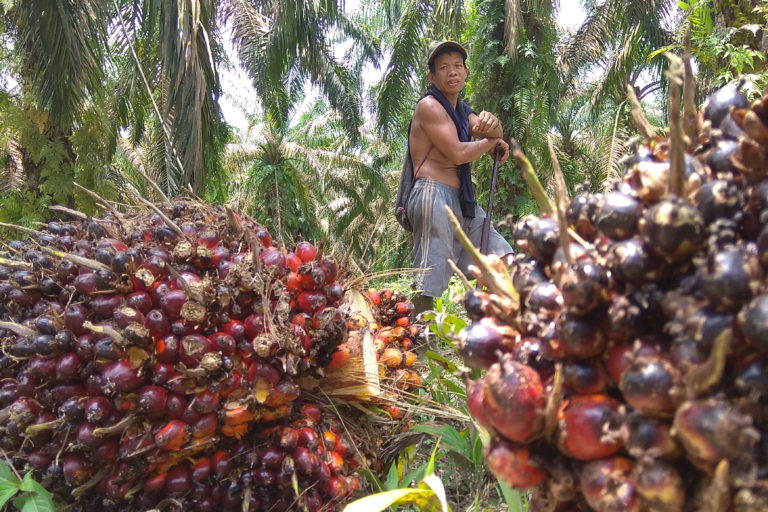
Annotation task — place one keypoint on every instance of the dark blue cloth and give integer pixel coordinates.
(460, 117)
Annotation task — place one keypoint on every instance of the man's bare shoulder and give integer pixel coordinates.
(428, 107)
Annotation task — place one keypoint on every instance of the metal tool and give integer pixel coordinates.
(487, 222)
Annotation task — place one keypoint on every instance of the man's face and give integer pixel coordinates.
(450, 73)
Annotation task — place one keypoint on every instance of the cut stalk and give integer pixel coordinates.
(534, 185)
(78, 260)
(561, 197)
(676, 142)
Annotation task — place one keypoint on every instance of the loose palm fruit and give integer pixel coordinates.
(588, 427)
(608, 487)
(753, 320)
(659, 485)
(514, 400)
(512, 464)
(75, 469)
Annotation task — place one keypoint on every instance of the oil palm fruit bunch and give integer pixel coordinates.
(621, 357)
(395, 339)
(133, 344)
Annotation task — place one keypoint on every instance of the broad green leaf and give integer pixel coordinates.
(434, 483)
(445, 362)
(34, 502)
(393, 476)
(8, 490)
(450, 436)
(381, 501)
(29, 484)
(684, 6)
(513, 498)
(6, 475)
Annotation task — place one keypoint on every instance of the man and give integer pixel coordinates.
(441, 149)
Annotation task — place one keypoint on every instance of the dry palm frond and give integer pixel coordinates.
(13, 172)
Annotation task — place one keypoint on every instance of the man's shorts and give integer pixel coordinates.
(433, 239)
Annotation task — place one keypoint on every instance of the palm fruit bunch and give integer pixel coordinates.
(625, 348)
(135, 343)
(395, 339)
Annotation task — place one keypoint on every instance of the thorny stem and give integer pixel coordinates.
(69, 211)
(117, 428)
(534, 185)
(97, 197)
(13, 263)
(496, 281)
(30, 232)
(561, 196)
(78, 260)
(168, 222)
(676, 143)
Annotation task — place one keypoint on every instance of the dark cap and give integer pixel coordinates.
(445, 46)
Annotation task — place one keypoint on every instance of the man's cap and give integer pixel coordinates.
(444, 47)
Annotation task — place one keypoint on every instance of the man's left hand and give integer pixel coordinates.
(488, 125)
(503, 149)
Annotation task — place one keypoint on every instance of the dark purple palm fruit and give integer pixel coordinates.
(584, 286)
(762, 246)
(584, 376)
(719, 157)
(730, 278)
(749, 375)
(607, 485)
(514, 399)
(578, 336)
(630, 261)
(542, 305)
(712, 430)
(617, 215)
(718, 105)
(482, 343)
(673, 228)
(719, 199)
(652, 385)
(659, 485)
(753, 321)
(537, 237)
(527, 273)
(644, 436)
(581, 214)
(530, 352)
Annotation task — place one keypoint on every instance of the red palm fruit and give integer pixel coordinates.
(271, 457)
(221, 464)
(120, 376)
(86, 437)
(336, 489)
(311, 300)
(158, 290)
(162, 373)
(335, 462)
(292, 261)
(584, 376)
(404, 308)
(620, 355)
(175, 406)
(330, 269)
(311, 412)
(106, 451)
(230, 384)
(480, 342)
(312, 277)
(173, 435)
(126, 315)
(234, 328)
(85, 284)
(286, 391)
(334, 291)
(476, 402)
(263, 236)
(157, 264)
(712, 430)
(293, 282)
(75, 469)
(98, 409)
(167, 349)
(178, 480)
(392, 357)
(652, 385)
(152, 400)
(608, 487)
(74, 317)
(140, 301)
(225, 343)
(254, 325)
(201, 469)
(67, 367)
(273, 257)
(206, 401)
(305, 251)
(514, 399)
(512, 464)
(584, 425)
(172, 302)
(344, 448)
(395, 412)
(193, 347)
(205, 426)
(403, 321)
(155, 483)
(64, 392)
(236, 421)
(308, 438)
(340, 357)
(323, 473)
(39, 460)
(158, 324)
(659, 485)
(289, 439)
(305, 460)
(329, 439)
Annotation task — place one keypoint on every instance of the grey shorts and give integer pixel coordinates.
(433, 240)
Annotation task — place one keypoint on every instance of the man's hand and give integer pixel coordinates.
(503, 149)
(487, 125)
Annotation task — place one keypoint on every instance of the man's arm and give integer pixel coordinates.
(441, 131)
(486, 125)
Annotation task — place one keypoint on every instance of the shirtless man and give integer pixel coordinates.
(441, 149)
